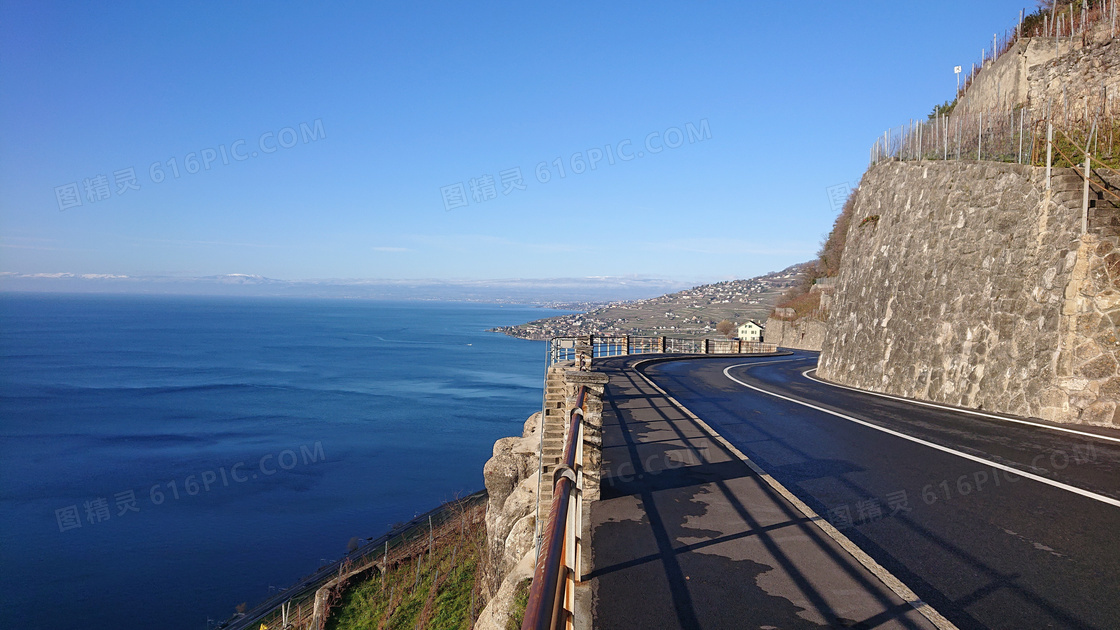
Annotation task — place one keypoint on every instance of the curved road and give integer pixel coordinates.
(995, 523)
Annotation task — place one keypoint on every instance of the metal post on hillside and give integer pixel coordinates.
(1049, 150)
(945, 132)
(1022, 115)
(980, 137)
(1085, 189)
(1085, 198)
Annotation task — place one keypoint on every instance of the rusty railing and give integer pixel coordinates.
(552, 593)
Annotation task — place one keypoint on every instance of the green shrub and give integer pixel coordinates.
(520, 601)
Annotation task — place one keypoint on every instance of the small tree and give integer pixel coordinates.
(726, 328)
(944, 109)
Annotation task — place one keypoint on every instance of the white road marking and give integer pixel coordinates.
(1010, 469)
(1096, 436)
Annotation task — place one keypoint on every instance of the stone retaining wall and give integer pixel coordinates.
(1004, 83)
(974, 287)
(802, 334)
(1079, 80)
(1071, 76)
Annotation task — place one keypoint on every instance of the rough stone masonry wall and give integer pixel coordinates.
(972, 289)
(803, 334)
(1065, 73)
(1003, 84)
(1083, 77)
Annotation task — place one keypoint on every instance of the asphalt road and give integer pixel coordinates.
(688, 535)
(987, 547)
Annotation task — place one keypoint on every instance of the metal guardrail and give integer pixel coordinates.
(552, 593)
(564, 348)
(558, 570)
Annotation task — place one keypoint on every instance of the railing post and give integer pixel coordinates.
(704, 346)
(585, 351)
(661, 344)
(576, 520)
(572, 531)
(626, 344)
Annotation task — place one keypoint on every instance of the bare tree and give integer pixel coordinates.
(726, 328)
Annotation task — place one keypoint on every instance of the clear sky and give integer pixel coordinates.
(336, 137)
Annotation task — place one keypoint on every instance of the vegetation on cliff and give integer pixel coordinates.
(520, 602)
(428, 573)
(436, 586)
(799, 297)
(1064, 17)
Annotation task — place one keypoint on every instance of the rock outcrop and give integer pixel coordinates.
(518, 502)
(511, 478)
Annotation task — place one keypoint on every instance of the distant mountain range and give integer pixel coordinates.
(693, 312)
(567, 293)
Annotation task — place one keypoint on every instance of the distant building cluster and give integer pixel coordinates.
(692, 312)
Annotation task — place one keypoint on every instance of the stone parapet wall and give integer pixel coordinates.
(976, 288)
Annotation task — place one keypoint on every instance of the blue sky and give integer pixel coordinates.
(355, 119)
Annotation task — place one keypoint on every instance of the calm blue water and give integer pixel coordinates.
(256, 436)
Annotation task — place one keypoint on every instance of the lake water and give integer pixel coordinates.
(163, 459)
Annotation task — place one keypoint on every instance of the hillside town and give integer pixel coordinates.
(693, 312)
